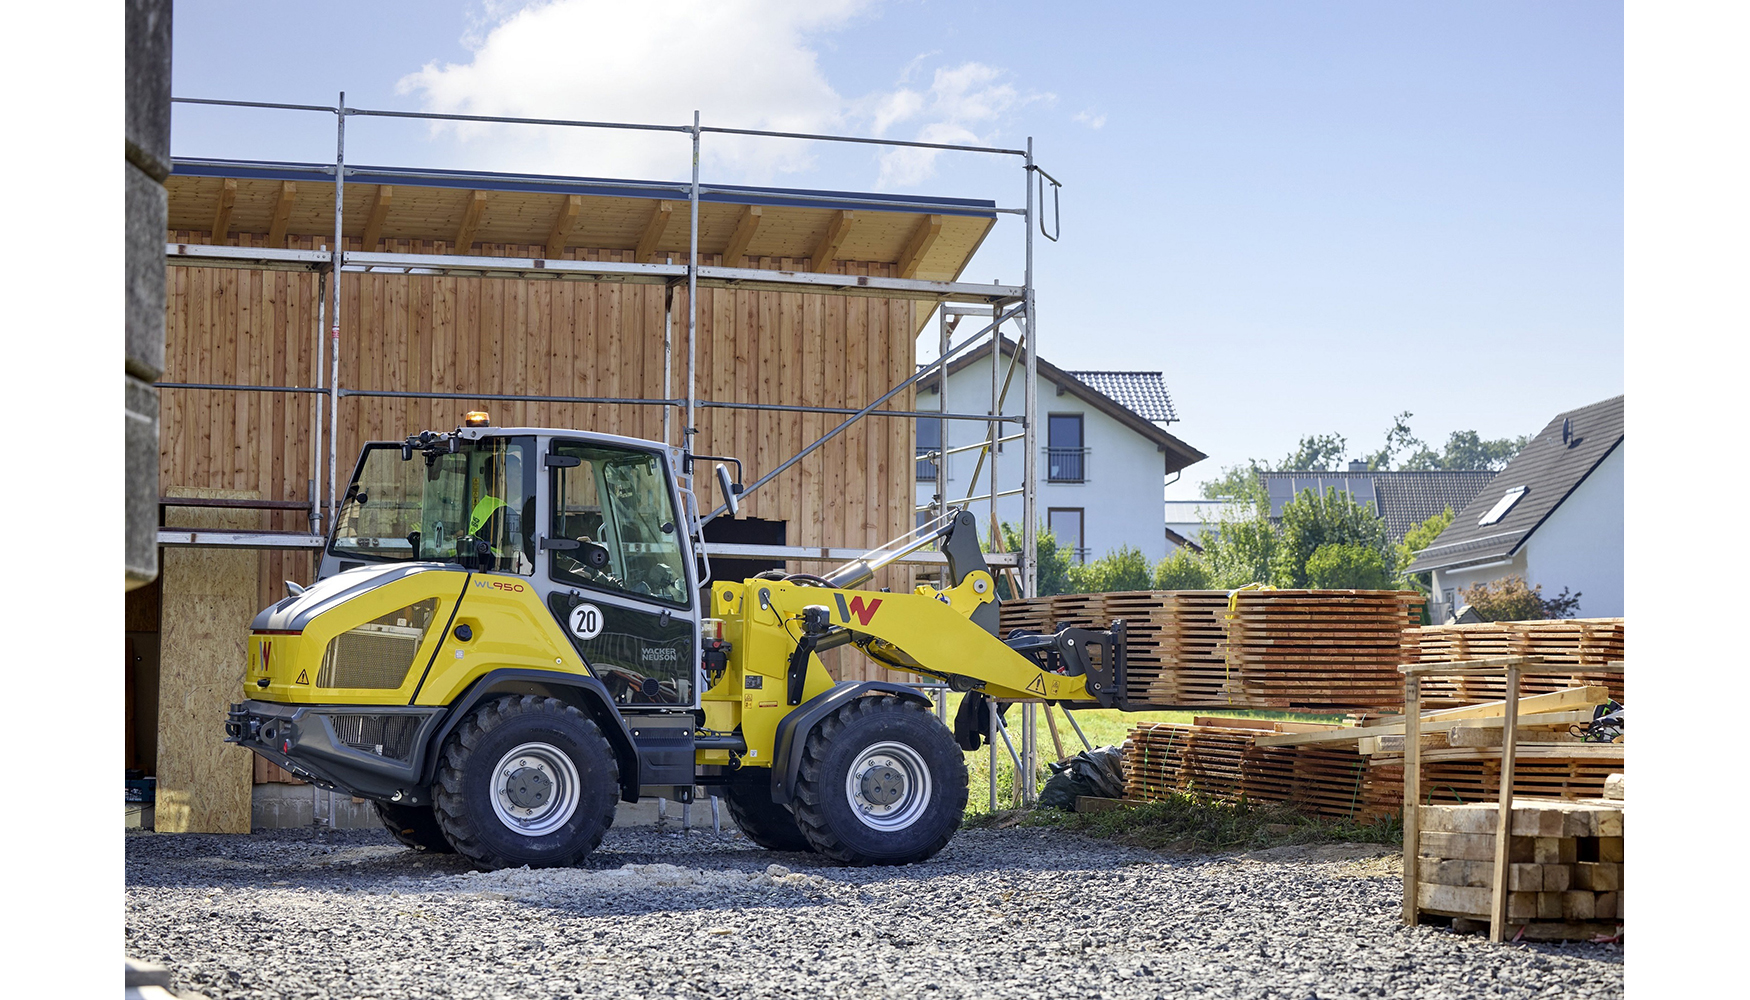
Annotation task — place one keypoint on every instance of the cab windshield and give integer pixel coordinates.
(475, 505)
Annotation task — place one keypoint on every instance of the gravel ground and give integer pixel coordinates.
(999, 913)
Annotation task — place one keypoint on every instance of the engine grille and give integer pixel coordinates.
(370, 656)
(383, 735)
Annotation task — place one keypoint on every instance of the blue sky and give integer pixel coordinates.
(1311, 217)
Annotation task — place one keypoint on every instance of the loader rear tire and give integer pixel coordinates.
(413, 826)
(526, 780)
(882, 782)
(766, 823)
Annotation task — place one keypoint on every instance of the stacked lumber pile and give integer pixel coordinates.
(1580, 641)
(1321, 650)
(1301, 650)
(1564, 874)
(1220, 759)
(1461, 749)
(1356, 772)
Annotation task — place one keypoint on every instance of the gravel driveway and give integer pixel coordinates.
(999, 913)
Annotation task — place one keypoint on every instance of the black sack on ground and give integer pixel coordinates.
(1098, 773)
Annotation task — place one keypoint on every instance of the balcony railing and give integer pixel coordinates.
(1066, 465)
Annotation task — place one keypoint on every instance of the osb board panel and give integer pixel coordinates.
(497, 336)
(209, 596)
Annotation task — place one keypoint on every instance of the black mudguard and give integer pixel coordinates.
(590, 695)
(793, 730)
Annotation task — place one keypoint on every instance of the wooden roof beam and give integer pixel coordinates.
(922, 239)
(653, 232)
(470, 221)
(379, 214)
(569, 210)
(745, 227)
(282, 214)
(827, 250)
(222, 215)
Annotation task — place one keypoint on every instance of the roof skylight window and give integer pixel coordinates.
(1503, 505)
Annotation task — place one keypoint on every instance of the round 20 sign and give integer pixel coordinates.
(586, 621)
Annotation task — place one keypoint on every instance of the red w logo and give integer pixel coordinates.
(266, 653)
(863, 613)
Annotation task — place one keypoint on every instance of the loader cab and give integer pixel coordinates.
(597, 525)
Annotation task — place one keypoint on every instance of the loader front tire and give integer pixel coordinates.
(414, 826)
(768, 824)
(882, 782)
(526, 780)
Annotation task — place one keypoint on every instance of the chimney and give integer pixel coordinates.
(1357, 465)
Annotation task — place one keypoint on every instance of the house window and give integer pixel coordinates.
(929, 440)
(1066, 459)
(1065, 524)
(1503, 505)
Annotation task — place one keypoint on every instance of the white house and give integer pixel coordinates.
(1553, 516)
(1104, 452)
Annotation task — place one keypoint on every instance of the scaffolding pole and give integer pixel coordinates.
(335, 260)
(1030, 458)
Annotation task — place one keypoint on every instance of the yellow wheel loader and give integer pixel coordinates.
(514, 629)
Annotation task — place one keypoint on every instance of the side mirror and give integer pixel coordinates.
(731, 490)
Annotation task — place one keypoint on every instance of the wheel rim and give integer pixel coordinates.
(535, 789)
(888, 786)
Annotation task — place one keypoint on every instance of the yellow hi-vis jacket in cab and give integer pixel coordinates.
(487, 506)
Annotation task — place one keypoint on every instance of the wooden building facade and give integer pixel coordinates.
(405, 331)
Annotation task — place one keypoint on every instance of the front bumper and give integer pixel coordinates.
(374, 752)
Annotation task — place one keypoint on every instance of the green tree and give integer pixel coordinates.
(1466, 450)
(1415, 540)
(1237, 482)
(1397, 439)
(1125, 569)
(1347, 566)
(1317, 453)
(1053, 567)
(1239, 547)
(1310, 521)
(1184, 570)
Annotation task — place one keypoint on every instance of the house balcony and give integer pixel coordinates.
(1066, 465)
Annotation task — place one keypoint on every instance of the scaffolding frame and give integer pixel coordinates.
(1003, 303)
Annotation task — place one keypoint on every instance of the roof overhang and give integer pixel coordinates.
(921, 237)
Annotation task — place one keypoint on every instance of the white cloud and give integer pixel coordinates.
(741, 63)
(965, 104)
(1090, 119)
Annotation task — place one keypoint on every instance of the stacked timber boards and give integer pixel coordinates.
(1299, 650)
(1219, 759)
(1564, 874)
(1581, 642)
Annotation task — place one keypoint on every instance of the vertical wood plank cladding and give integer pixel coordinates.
(447, 334)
